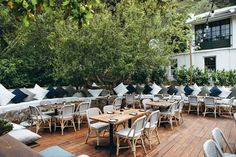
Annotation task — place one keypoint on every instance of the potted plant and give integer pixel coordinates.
(5, 127)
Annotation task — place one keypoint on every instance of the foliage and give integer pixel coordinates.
(114, 47)
(182, 75)
(25, 11)
(140, 75)
(222, 77)
(5, 127)
(9, 73)
(202, 77)
(159, 75)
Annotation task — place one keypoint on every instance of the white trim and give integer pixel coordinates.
(204, 51)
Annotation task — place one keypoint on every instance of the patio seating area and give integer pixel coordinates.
(184, 140)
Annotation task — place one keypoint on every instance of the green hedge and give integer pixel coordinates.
(205, 77)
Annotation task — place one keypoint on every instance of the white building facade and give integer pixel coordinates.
(214, 38)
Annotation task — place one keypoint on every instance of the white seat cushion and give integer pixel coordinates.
(17, 126)
(45, 117)
(24, 135)
(5, 96)
(66, 117)
(124, 133)
(99, 125)
(155, 89)
(196, 89)
(224, 92)
(95, 92)
(120, 89)
(39, 92)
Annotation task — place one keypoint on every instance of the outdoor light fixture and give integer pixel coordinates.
(211, 14)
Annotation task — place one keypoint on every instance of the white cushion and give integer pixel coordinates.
(125, 132)
(30, 96)
(196, 90)
(99, 125)
(24, 135)
(5, 95)
(155, 89)
(224, 92)
(180, 90)
(95, 92)
(120, 89)
(39, 92)
(17, 126)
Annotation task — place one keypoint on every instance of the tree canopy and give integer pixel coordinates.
(130, 41)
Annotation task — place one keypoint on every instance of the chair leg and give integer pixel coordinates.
(197, 110)
(86, 141)
(144, 145)
(149, 138)
(55, 126)
(97, 136)
(37, 127)
(205, 112)
(133, 146)
(189, 108)
(117, 145)
(171, 125)
(157, 135)
(73, 123)
(215, 112)
(62, 127)
(78, 122)
(50, 125)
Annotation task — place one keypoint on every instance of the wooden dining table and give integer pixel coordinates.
(118, 117)
(161, 103)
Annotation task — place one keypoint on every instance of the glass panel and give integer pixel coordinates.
(217, 34)
(210, 63)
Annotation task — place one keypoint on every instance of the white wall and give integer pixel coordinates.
(225, 58)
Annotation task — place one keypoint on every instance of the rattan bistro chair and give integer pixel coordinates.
(151, 127)
(39, 119)
(65, 116)
(47, 104)
(130, 100)
(209, 103)
(117, 103)
(211, 149)
(169, 115)
(108, 108)
(98, 127)
(146, 107)
(193, 102)
(221, 140)
(179, 112)
(132, 135)
(226, 108)
(80, 112)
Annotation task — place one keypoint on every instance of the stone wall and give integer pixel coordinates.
(23, 115)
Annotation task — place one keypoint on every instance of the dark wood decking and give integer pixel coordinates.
(185, 140)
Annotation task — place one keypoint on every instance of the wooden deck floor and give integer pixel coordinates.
(185, 140)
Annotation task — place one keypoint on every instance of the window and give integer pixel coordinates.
(174, 65)
(210, 63)
(217, 35)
